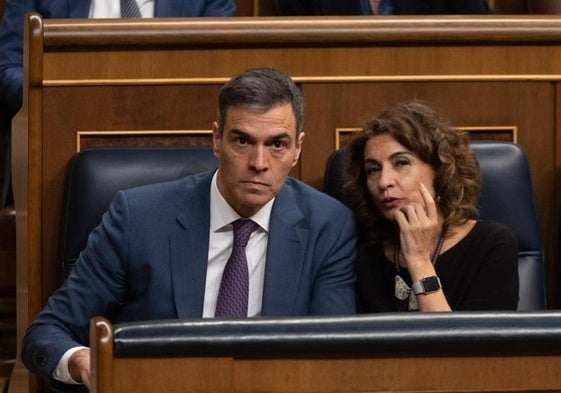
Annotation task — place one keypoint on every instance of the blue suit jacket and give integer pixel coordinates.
(148, 260)
(11, 34)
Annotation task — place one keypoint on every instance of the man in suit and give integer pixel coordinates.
(161, 250)
(383, 7)
(11, 37)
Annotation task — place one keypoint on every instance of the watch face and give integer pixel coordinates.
(431, 284)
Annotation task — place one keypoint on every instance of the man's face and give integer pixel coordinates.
(256, 152)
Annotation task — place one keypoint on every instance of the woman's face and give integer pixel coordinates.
(394, 175)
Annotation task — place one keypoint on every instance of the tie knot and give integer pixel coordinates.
(242, 231)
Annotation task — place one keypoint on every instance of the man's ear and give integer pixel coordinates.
(216, 138)
(298, 147)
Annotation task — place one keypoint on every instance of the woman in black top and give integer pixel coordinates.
(414, 182)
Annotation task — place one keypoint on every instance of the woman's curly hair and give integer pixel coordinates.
(421, 130)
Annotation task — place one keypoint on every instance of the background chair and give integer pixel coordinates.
(507, 196)
(95, 176)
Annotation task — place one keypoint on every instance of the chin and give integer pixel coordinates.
(389, 214)
(255, 200)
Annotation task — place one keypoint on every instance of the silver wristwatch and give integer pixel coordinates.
(426, 285)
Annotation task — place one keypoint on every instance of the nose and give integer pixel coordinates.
(386, 178)
(259, 159)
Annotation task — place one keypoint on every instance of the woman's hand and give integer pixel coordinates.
(419, 230)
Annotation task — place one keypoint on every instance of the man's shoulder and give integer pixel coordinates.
(313, 198)
(172, 188)
(305, 189)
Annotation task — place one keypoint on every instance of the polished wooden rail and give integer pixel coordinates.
(335, 29)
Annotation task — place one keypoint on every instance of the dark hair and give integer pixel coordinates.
(261, 89)
(421, 130)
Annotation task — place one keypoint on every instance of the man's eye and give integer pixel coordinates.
(242, 140)
(279, 144)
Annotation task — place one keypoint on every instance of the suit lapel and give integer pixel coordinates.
(189, 248)
(285, 256)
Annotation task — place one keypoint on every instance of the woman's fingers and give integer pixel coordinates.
(418, 215)
(430, 205)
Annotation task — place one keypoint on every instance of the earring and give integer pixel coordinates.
(438, 198)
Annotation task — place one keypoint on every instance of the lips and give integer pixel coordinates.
(255, 183)
(390, 203)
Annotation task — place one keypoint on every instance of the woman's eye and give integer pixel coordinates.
(402, 162)
(372, 170)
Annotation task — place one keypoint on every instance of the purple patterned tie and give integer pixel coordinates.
(234, 288)
(129, 9)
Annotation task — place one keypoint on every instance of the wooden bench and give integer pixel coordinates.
(397, 352)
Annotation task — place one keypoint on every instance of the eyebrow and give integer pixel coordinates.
(283, 135)
(400, 153)
(280, 136)
(393, 155)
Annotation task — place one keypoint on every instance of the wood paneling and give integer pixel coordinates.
(3, 150)
(166, 75)
(7, 293)
(429, 374)
(7, 270)
(266, 7)
(245, 8)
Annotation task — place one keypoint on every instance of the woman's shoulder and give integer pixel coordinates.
(492, 227)
(491, 232)
(482, 232)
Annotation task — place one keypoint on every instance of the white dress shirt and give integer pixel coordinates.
(221, 239)
(220, 247)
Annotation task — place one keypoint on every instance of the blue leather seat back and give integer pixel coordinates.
(95, 176)
(506, 196)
